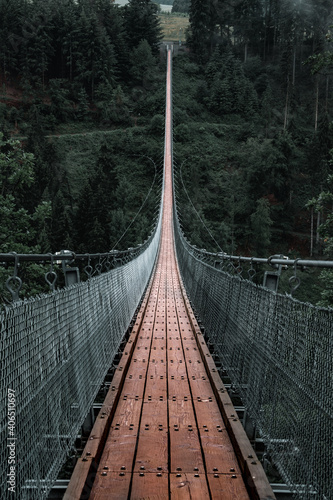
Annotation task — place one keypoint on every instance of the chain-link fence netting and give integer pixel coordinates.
(55, 351)
(278, 352)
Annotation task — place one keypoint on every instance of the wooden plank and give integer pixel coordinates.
(181, 414)
(185, 450)
(119, 449)
(227, 487)
(178, 387)
(111, 485)
(219, 453)
(201, 387)
(185, 486)
(127, 414)
(152, 450)
(155, 413)
(118, 454)
(149, 486)
(208, 414)
(156, 382)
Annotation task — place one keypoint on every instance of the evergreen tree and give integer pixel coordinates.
(182, 6)
(92, 52)
(261, 224)
(96, 204)
(248, 24)
(11, 38)
(202, 29)
(143, 64)
(142, 23)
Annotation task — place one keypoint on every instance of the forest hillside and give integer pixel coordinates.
(82, 106)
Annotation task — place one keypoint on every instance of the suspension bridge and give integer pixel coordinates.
(167, 427)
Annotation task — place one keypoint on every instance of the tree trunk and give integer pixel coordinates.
(317, 103)
(294, 66)
(317, 233)
(311, 234)
(286, 109)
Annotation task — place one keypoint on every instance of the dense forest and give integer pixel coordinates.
(82, 105)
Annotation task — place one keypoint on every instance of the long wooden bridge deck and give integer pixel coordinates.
(167, 428)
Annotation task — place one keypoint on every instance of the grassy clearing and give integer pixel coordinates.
(174, 26)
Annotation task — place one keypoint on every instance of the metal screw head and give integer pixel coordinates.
(106, 467)
(103, 474)
(142, 467)
(123, 467)
(216, 475)
(88, 454)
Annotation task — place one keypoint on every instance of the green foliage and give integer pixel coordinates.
(230, 91)
(182, 6)
(157, 125)
(20, 229)
(244, 108)
(142, 23)
(261, 223)
(143, 64)
(202, 28)
(326, 277)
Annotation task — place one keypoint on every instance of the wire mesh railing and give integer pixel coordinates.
(278, 353)
(55, 350)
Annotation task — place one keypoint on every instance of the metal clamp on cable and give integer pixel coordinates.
(294, 281)
(51, 277)
(72, 275)
(14, 283)
(271, 278)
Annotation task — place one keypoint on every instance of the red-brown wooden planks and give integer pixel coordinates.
(227, 487)
(150, 486)
(189, 486)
